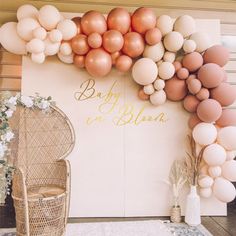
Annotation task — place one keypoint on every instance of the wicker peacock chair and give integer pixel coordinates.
(41, 182)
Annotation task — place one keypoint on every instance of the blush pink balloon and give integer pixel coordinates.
(95, 40)
(190, 103)
(228, 118)
(175, 89)
(112, 41)
(192, 61)
(143, 19)
(93, 22)
(98, 62)
(79, 61)
(153, 36)
(225, 94)
(79, 44)
(177, 65)
(124, 63)
(203, 94)
(77, 21)
(133, 44)
(193, 76)
(209, 110)
(194, 86)
(142, 95)
(183, 73)
(193, 121)
(119, 19)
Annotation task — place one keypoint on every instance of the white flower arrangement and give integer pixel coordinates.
(8, 105)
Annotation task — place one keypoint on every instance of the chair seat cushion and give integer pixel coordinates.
(45, 191)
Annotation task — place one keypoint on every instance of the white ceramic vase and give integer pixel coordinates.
(192, 211)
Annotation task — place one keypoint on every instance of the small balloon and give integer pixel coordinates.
(79, 44)
(142, 95)
(79, 61)
(153, 36)
(124, 63)
(95, 40)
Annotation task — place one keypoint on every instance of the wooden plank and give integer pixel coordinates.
(229, 41)
(230, 66)
(231, 78)
(10, 71)
(228, 29)
(10, 84)
(9, 58)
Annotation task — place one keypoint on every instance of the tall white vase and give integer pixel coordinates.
(192, 212)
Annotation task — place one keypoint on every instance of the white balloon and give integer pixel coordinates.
(230, 155)
(214, 155)
(66, 59)
(185, 25)
(40, 33)
(159, 84)
(49, 17)
(173, 41)
(25, 28)
(227, 138)
(189, 46)
(224, 190)
(55, 35)
(144, 71)
(229, 170)
(166, 70)
(204, 133)
(68, 29)
(205, 192)
(27, 11)
(50, 47)
(165, 24)
(158, 98)
(169, 56)
(35, 46)
(65, 49)
(10, 40)
(38, 57)
(205, 181)
(148, 89)
(154, 52)
(214, 171)
(202, 41)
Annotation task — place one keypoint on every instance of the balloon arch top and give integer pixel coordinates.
(166, 57)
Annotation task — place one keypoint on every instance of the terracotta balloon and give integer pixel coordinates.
(123, 63)
(119, 19)
(175, 89)
(192, 61)
(211, 75)
(142, 95)
(98, 62)
(182, 73)
(177, 65)
(191, 77)
(143, 19)
(190, 103)
(133, 44)
(79, 44)
(203, 94)
(95, 40)
(194, 86)
(114, 57)
(79, 61)
(153, 36)
(225, 94)
(193, 121)
(216, 54)
(209, 110)
(228, 118)
(112, 41)
(93, 21)
(77, 21)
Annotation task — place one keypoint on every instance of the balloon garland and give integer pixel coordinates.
(167, 58)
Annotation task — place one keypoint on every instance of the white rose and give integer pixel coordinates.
(2, 150)
(27, 101)
(12, 101)
(44, 104)
(9, 113)
(7, 136)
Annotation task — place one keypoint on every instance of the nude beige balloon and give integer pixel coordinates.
(77, 21)
(133, 44)
(123, 63)
(95, 40)
(93, 21)
(98, 62)
(112, 41)
(119, 19)
(79, 44)
(79, 61)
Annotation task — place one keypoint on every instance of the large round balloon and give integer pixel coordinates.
(27, 11)
(192, 61)
(119, 19)
(144, 71)
(68, 29)
(93, 21)
(112, 41)
(204, 133)
(224, 190)
(214, 155)
(227, 138)
(133, 44)
(185, 25)
(202, 41)
(176, 89)
(10, 40)
(209, 110)
(143, 19)
(229, 170)
(225, 94)
(154, 52)
(227, 118)
(79, 44)
(211, 75)
(98, 62)
(216, 54)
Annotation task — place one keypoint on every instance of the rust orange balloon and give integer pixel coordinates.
(79, 44)
(133, 44)
(123, 63)
(142, 95)
(98, 62)
(79, 61)
(95, 40)
(112, 41)
(93, 22)
(114, 57)
(143, 19)
(77, 21)
(119, 19)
